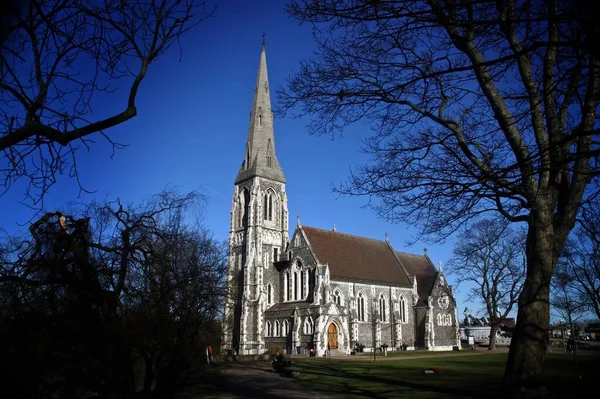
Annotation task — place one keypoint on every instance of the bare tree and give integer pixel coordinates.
(491, 257)
(61, 58)
(477, 107)
(581, 261)
(565, 308)
(119, 300)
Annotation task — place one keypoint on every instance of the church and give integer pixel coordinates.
(319, 291)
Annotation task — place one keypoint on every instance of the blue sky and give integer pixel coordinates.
(191, 130)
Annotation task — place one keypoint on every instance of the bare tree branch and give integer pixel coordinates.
(57, 57)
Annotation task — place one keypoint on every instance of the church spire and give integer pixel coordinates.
(259, 157)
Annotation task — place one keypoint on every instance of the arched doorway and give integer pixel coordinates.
(332, 336)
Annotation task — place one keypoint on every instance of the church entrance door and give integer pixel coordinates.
(332, 336)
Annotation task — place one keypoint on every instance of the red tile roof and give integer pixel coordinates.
(356, 258)
(419, 266)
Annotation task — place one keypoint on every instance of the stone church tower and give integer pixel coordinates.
(258, 231)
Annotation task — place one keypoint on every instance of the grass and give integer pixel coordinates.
(476, 376)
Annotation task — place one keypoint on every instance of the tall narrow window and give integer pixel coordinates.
(360, 303)
(270, 207)
(402, 309)
(269, 329)
(302, 284)
(269, 294)
(287, 286)
(275, 254)
(295, 286)
(265, 206)
(259, 119)
(269, 161)
(277, 328)
(382, 310)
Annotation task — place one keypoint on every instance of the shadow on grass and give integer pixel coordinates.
(462, 377)
(378, 380)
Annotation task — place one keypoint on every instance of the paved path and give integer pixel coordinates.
(254, 381)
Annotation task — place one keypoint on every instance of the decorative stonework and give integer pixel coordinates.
(443, 301)
(238, 239)
(271, 237)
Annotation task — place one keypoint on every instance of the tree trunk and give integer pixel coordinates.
(523, 377)
(148, 375)
(493, 331)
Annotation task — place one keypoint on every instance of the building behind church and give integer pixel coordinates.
(322, 289)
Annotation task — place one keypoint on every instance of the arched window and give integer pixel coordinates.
(402, 303)
(308, 325)
(286, 328)
(382, 310)
(360, 304)
(444, 319)
(269, 329)
(287, 286)
(337, 297)
(277, 328)
(259, 119)
(268, 205)
(269, 294)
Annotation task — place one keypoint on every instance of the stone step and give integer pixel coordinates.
(337, 353)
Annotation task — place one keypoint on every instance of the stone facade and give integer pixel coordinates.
(321, 290)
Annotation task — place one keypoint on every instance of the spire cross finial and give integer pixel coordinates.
(298, 219)
(263, 42)
(387, 237)
(425, 250)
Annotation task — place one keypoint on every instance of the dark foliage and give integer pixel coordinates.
(117, 302)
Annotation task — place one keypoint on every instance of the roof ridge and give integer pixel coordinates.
(410, 253)
(344, 234)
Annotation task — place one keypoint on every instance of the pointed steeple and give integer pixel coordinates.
(260, 158)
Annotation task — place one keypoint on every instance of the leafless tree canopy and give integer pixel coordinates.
(59, 60)
(477, 107)
(579, 271)
(491, 257)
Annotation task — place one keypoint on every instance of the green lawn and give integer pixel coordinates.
(476, 376)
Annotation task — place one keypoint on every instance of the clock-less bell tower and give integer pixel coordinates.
(258, 231)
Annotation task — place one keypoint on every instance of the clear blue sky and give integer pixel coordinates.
(191, 130)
